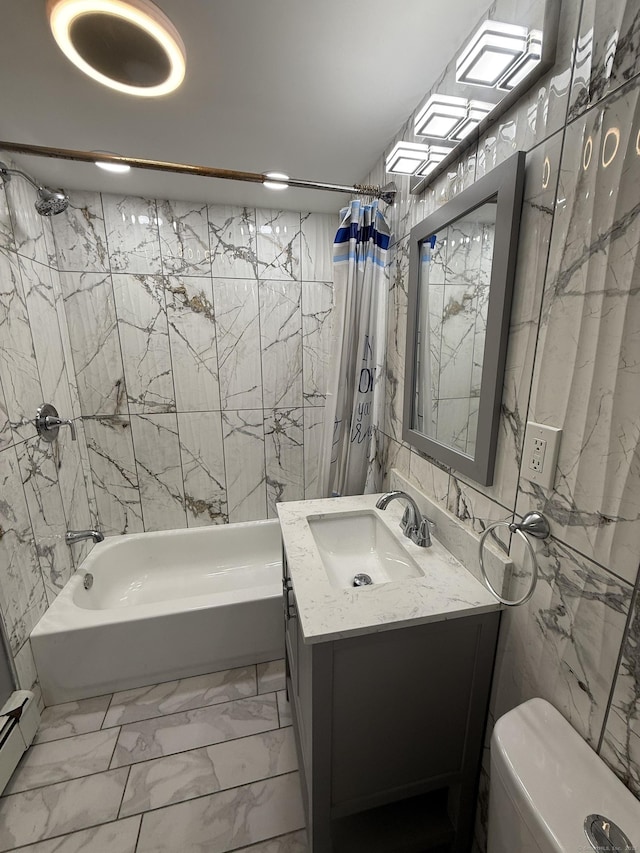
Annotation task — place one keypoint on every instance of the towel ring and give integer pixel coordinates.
(533, 523)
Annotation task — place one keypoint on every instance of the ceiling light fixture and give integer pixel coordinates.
(111, 167)
(406, 158)
(440, 116)
(278, 181)
(127, 45)
(524, 65)
(476, 112)
(490, 52)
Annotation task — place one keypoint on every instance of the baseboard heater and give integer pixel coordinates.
(19, 720)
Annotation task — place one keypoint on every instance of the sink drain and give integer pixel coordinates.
(362, 580)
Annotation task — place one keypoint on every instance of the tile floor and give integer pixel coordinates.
(201, 765)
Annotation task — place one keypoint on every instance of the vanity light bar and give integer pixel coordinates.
(440, 116)
(435, 155)
(490, 52)
(406, 158)
(478, 110)
(525, 64)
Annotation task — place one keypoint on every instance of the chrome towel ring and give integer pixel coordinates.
(534, 524)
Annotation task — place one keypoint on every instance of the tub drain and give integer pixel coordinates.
(88, 580)
(362, 580)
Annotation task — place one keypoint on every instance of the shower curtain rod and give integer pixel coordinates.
(386, 193)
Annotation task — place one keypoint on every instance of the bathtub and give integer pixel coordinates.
(163, 606)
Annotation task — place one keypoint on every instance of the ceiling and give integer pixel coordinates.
(312, 89)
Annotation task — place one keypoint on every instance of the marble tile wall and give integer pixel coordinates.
(573, 360)
(199, 342)
(45, 489)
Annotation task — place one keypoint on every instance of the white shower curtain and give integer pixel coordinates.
(355, 390)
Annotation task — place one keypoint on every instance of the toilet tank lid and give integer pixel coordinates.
(557, 779)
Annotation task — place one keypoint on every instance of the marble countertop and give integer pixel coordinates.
(445, 591)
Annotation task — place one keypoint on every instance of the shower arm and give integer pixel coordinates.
(386, 193)
(6, 172)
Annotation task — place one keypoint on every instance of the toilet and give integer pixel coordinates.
(545, 780)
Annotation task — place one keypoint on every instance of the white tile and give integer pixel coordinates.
(284, 709)
(317, 304)
(143, 703)
(191, 729)
(203, 468)
(313, 428)
(117, 837)
(132, 234)
(61, 760)
(281, 343)
(232, 236)
(184, 238)
(80, 236)
(59, 809)
(245, 464)
(278, 244)
(238, 335)
(284, 452)
(318, 234)
(270, 676)
(176, 778)
(72, 718)
(269, 808)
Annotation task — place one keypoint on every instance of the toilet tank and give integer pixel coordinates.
(545, 780)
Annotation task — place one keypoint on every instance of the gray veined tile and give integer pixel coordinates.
(192, 336)
(61, 760)
(144, 338)
(244, 448)
(397, 273)
(22, 594)
(159, 467)
(28, 226)
(132, 234)
(184, 238)
(284, 452)
(278, 244)
(80, 236)
(232, 237)
(238, 337)
(267, 809)
(313, 418)
(120, 836)
(26, 667)
(292, 842)
(61, 808)
(6, 228)
(95, 343)
(284, 709)
(187, 775)
(114, 475)
(270, 676)
(318, 234)
(317, 304)
(72, 718)
(621, 743)
(142, 703)
(191, 729)
(281, 343)
(18, 366)
(203, 469)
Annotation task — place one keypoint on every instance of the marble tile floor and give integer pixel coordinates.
(200, 765)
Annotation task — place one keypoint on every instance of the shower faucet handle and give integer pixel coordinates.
(48, 423)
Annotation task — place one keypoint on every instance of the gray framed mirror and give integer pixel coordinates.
(461, 269)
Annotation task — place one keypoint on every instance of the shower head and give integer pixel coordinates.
(49, 202)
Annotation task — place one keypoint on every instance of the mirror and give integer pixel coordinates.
(461, 270)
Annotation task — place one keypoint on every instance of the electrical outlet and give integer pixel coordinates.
(540, 454)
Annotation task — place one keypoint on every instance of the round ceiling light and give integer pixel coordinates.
(128, 45)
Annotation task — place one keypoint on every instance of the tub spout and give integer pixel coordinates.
(72, 536)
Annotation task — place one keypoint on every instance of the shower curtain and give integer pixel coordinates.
(355, 389)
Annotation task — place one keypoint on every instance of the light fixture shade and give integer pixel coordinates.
(406, 158)
(478, 110)
(490, 52)
(440, 116)
(128, 45)
(525, 65)
(435, 155)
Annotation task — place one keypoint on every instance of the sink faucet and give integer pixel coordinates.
(72, 536)
(414, 525)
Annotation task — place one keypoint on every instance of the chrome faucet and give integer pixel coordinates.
(72, 536)
(414, 525)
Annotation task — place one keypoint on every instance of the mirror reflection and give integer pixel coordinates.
(453, 297)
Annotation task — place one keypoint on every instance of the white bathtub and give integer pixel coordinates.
(162, 606)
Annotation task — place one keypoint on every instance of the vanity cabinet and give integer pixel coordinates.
(389, 728)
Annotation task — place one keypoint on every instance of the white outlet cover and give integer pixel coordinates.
(551, 435)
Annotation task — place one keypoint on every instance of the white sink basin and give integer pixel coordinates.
(352, 543)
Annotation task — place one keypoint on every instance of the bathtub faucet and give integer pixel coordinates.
(72, 536)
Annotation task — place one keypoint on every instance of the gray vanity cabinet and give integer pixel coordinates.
(389, 729)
